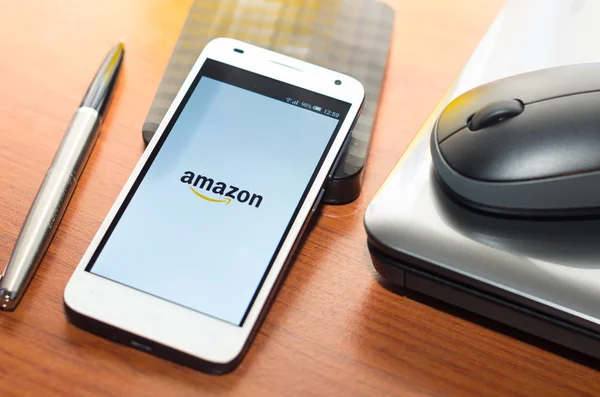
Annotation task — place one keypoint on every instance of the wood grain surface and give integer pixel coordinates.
(334, 329)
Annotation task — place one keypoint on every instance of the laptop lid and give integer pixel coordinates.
(553, 265)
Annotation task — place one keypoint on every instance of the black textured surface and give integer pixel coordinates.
(349, 36)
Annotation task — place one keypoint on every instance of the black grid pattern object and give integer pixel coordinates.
(349, 36)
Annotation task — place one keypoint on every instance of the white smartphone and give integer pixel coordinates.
(191, 254)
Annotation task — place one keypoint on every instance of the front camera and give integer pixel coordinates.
(338, 82)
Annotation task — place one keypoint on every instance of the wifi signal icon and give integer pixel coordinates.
(288, 100)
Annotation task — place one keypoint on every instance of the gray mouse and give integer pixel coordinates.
(527, 145)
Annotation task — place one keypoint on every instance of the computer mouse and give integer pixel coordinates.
(526, 145)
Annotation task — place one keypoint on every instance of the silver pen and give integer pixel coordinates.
(60, 181)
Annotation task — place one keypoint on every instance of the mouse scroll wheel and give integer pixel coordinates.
(495, 113)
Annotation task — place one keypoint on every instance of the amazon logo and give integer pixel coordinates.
(218, 192)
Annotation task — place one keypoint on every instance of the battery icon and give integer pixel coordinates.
(317, 108)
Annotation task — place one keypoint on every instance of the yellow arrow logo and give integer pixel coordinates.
(212, 200)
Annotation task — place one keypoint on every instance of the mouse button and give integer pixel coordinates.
(535, 86)
(455, 116)
(495, 113)
(457, 113)
(549, 139)
(469, 155)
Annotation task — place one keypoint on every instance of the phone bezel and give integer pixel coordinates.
(172, 325)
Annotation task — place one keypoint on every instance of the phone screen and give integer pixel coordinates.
(211, 207)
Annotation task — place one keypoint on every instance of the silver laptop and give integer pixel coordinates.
(540, 277)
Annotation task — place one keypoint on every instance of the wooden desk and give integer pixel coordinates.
(334, 330)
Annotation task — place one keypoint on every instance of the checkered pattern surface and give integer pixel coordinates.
(349, 36)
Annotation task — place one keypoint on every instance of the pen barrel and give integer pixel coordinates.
(49, 206)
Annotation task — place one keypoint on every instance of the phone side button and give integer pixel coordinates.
(318, 200)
